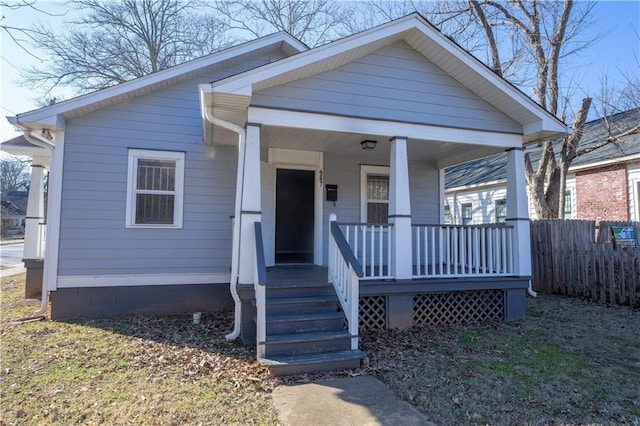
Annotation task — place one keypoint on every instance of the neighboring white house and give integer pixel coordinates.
(603, 184)
(172, 192)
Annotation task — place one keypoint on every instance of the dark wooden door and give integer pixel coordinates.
(294, 216)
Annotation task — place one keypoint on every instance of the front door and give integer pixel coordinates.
(294, 216)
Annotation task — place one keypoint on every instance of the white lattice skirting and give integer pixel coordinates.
(457, 307)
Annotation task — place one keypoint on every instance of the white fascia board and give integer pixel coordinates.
(543, 120)
(477, 186)
(29, 151)
(598, 164)
(546, 120)
(336, 123)
(63, 107)
(548, 128)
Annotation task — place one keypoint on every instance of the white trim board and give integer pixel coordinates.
(54, 209)
(365, 171)
(304, 160)
(130, 88)
(336, 123)
(78, 281)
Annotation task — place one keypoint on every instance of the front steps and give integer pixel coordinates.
(305, 329)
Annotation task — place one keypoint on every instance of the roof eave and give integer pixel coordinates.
(46, 114)
(547, 125)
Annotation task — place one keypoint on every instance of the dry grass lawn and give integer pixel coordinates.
(127, 370)
(570, 362)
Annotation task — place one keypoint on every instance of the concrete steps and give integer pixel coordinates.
(306, 330)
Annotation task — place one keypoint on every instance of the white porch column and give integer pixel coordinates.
(400, 210)
(35, 212)
(250, 204)
(518, 211)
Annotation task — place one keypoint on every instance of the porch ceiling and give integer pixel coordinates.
(442, 154)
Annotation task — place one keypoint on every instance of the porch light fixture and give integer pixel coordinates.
(368, 144)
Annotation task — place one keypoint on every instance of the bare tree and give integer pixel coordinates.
(543, 34)
(116, 41)
(19, 34)
(14, 174)
(451, 17)
(314, 22)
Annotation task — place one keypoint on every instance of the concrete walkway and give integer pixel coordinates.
(347, 401)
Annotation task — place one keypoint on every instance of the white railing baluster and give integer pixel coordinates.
(425, 258)
(454, 251)
(433, 250)
(462, 251)
(476, 233)
(372, 250)
(483, 247)
(363, 259)
(380, 238)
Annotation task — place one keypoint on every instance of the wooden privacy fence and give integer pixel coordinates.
(566, 259)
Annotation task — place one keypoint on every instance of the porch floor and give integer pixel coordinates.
(301, 275)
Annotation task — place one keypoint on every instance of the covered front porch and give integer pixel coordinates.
(35, 232)
(375, 216)
(410, 269)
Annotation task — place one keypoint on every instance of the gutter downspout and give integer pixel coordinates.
(208, 114)
(43, 143)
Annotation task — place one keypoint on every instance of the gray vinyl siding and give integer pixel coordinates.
(394, 83)
(344, 171)
(93, 236)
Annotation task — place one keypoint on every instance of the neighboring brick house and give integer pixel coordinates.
(603, 184)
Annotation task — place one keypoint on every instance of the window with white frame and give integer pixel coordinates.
(374, 194)
(638, 201)
(448, 219)
(501, 211)
(467, 214)
(567, 204)
(155, 188)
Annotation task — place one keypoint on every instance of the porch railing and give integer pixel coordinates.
(259, 283)
(345, 273)
(371, 245)
(462, 251)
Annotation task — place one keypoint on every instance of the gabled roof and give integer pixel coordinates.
(10, 209)
(21, 146)
(234, 93)
(494, 168)
(53, 116)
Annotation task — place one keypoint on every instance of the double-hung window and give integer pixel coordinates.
(467, 213)
(375, 194)
(155, 187)
(567, 204)
(501, 211)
